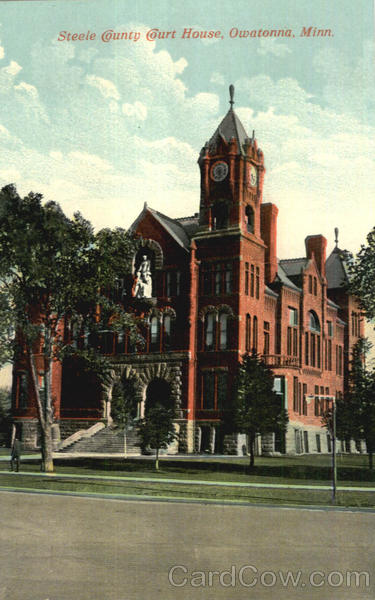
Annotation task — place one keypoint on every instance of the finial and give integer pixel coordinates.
(253, 134)
(231, 94)
(336, 236)
(145, 206)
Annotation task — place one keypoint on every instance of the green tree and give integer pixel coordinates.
(361, 271)
(51, 268)
(123, 407)
(156, 429)
(355, 411)
(256, 409)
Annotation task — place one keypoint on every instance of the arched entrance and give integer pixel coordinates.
(124, 405)
(158, 391)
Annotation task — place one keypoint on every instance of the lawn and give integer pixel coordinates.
(309, 470)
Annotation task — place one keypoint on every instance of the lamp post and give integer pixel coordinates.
(334, 465)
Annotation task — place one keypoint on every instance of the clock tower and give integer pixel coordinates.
(232, 172)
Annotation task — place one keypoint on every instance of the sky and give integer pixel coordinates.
(103, 126)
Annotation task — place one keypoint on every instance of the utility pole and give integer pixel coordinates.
(334, 465)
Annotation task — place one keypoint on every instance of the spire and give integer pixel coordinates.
(231, 95)
(336, 236)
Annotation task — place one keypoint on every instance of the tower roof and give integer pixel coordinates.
(230, 127)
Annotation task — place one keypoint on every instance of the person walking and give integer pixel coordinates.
(15, 457)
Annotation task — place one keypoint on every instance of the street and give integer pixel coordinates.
(73, 548)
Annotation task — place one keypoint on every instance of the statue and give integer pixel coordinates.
(143, 285)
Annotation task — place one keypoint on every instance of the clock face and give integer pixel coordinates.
(252, 175)
(219, 171)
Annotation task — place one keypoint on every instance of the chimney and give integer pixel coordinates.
(268, 224)
(316, 245)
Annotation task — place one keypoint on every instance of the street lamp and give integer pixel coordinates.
(334, 465)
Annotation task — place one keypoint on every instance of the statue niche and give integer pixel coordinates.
(142, 277)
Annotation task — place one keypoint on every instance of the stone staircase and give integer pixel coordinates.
(109, 440)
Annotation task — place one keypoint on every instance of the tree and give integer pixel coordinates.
(355, 411)
(54, 268)
(123, 407)
(257, 409)
(156, 429)
(361, 271)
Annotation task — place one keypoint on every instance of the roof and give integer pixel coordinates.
(284, 279)
(230, 127)
(293, 266)
(336, 268)
(181, 230)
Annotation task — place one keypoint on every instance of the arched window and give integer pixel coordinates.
(209, 331)
(154, 333)
(314, 324)
(167, 332)
(223, 323)
(249, 217)
(248, 333)
(312, 341)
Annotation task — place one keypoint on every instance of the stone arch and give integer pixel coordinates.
(206, 309)
(153, 247)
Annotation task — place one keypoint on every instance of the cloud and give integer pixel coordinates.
(137, 110)
(105, 87)
(2, 53)
(117, 128)
(217, 78)
(272, 46)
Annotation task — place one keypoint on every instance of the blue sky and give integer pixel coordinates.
(103, 127)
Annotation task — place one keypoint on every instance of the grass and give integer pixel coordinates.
(310, 470)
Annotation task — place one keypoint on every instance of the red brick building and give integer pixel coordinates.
(212, 290)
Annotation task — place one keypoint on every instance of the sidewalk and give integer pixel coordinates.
(159, 480)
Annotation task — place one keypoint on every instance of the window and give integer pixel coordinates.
(257, 283)
(247, 279)
(329, 328)
(316, 402)
(207, 279)
(252, 282)
(22, 390)
(255, 334)
(223, 324)
(249, 218)
(214, 389)
(216, 331)
(315, 287)
(305, 399)
(318, 446)
(312, 354)
(295, 394)
(172, 283)
(167, 332)
(266, 345)
(208, 400)
(310, 284)
(248, 333)
(356, 324)
(217, 278)
(154, 333)
(339, 360)
(306, 440)
(293, 317)
(228, 278)
(220, 215)
(209, 331)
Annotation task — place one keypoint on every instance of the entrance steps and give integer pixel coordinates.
(107, 440)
